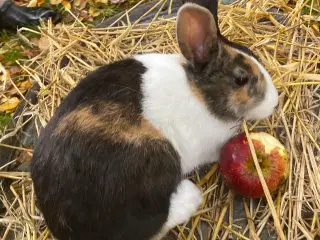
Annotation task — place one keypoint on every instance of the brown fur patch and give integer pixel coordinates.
(82, 119)
(141, 131)
(116, 124)
(240, 96)
(197, 92)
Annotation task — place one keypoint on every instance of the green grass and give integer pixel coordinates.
(4, 120)
(11, 56)
(307, 9)
(110, 10)
(30, 35)
(4, 36)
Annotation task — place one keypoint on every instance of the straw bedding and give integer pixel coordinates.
(288, 46)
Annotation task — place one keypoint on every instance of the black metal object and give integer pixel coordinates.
(13, 16)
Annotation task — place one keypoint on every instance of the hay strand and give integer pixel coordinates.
(265, 188)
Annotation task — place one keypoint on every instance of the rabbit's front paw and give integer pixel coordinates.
(184, 203)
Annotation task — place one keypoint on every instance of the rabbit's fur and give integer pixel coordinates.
(111, 162)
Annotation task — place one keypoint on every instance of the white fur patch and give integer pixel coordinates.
(171, 106)
(183, 203)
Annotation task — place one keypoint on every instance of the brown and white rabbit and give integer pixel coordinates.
(112, 161)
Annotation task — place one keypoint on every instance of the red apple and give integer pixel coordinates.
(239, 171)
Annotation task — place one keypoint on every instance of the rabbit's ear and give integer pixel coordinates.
(211, 5)
(196, 33)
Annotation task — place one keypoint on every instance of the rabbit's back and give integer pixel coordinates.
(99, 167)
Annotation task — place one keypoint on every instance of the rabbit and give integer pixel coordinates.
(112, 162)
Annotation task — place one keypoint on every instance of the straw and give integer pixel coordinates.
(289, 50)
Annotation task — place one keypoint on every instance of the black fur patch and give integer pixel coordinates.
(90, 187)
(238, 46)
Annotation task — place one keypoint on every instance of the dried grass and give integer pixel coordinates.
(290, 52)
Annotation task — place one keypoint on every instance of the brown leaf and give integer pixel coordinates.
(66, 4)
(83, 15)
(55, 2)
(93, 12)
(14, 70)
(32, 3)
(315, 28)
(40, 2)
(24, 156)
(118, 1)
(9, 105)
(11, 92)
(43, 43)
(102, 1)
(25, 85)
(32, 52)
(81, 4)
(2, 100)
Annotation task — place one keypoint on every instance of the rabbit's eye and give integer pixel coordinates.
(240, 81)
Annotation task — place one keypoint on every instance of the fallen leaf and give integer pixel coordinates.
(32, 52)
(102, 1)
(84, 15)
(118, 1)
(93, 12)
(25, 85)
(81, 4)
(55, 2)
(2, 100)
(66, 4)
(315, 28)
(43, 43)
(9, 105)
(24, 156)
(11, 92)
(34, 41)
(40, 2)
(32, 3)
(14, 70)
